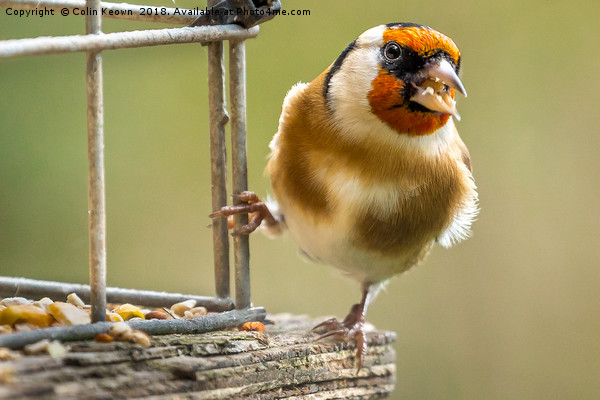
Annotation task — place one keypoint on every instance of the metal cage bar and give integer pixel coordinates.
(96, 184)
(111, 41)
(31, 287)
(218, 164)
(241, 248)
(93, 43)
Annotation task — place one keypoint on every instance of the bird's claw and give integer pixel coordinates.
(246, 197)
(350, 328)
(328, 324)
(250, 204)
(343, 331)
(224, 212)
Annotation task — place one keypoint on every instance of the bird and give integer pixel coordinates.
(367, 168)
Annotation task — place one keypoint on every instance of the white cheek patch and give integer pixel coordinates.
(350, 85)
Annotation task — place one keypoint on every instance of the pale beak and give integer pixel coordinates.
(433, 92)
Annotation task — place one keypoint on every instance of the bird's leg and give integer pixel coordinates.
(352, 327)
(257, 213)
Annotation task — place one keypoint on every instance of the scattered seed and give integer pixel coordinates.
(157, 314)
(43, 303)
(199, 310)
(69, 314)
(37, 347)
(14, 301)
(12, 315)
(113, 317)
(141, 338)
(128, 311)
(57, 349)
(120, 331)
(103, 338)
(253, 326)
(181, 308)
(54, 348)
(75, 300)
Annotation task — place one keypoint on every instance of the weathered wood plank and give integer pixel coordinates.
(283, 363)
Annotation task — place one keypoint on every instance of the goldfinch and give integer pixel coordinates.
(367, 168)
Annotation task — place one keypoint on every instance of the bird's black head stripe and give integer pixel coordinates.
(335, 68)
(405, 25)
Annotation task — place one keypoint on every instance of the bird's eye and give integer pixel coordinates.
(392, 51)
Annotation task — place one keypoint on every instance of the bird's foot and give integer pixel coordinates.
(249, 204)
(352, 327)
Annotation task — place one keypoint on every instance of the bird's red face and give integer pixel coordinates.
(413, 92)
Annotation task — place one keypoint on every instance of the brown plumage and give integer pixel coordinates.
(367, 168)
(430, 189)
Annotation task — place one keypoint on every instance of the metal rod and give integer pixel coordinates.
(58, 291)
(96, 185)
(206, 323)
(237, 86)
(119, 40)
(131, 12)
(218, 164)
(218, 161)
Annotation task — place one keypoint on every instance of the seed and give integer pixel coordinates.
(141, 338)
(253, 326)
(69, 314)
(113, 317)
(181, 308)
(75, 300)
(25, 313)
(157, 314)
(103, 338)
(120, 331)
(14, 301)
(128, 311)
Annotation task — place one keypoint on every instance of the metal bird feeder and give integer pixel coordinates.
(209, 28)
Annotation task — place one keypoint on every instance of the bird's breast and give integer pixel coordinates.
(382, 215)
(394, 216)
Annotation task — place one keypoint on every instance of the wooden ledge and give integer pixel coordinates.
(282, 363)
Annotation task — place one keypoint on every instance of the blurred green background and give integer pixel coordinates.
(513, 313)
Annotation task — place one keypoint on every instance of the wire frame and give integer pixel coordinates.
(93, 43)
